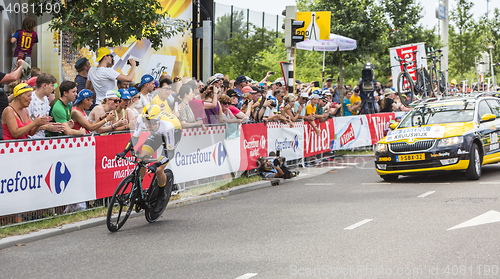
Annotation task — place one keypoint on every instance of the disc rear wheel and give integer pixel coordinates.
(153, 196)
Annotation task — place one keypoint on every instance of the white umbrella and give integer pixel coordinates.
(335, 42)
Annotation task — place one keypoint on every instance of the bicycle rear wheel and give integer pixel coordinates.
(153, 196)
(406, 90)
(424, 82)
(124, 199)
(442, 82)
(434, 81)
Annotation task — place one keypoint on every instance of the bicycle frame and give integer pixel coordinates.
(137, 186)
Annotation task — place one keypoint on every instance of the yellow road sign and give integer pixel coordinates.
(316, 25)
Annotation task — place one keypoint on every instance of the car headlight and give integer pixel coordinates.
(450, 141)
(381, 147)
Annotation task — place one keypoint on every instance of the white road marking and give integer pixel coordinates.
(426, 194)
(339, 167)
(376, 183)
(246, 276)
(358, 224)
(319, 184)
(491, 216)
(349, 164)
(493, 182)
(445, 183)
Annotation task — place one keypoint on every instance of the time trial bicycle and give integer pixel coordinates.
(130, 192)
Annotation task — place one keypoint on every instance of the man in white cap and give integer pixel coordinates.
(108, 106)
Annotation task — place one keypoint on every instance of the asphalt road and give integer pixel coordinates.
(347, 223)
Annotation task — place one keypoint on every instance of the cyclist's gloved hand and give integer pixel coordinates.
(152, 168)
(121, 155)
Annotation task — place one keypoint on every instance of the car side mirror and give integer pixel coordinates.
(394, 125)
(488, 117)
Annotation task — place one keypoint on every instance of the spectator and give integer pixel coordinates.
(228, 115)
(234, 101)
(288, 108)
(186, 115)
(84, 102)
(276, 85)
(122, 84)
(239, 83)
(387, 101)
(311, 112)
(108, 106)
(82, 67)
(145, 88)
(278, 98)
(322, 110)
(134, 93)
(122, 111)
(24, 39)
(348, 107)
(102, 78)
(16, 122)
(214, 115)
(35, 72)
(354, 100)
(161, 99)
(61, 110)
(40, 104)
(300, 105)
(453, 85)
(328, 84)
(336, 92)
(14, 75)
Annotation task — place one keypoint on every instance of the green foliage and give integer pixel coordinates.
(222, 31)
(463, 39)
(244, 58)
(96, 23)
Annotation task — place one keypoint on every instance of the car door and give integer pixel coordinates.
(492, 150)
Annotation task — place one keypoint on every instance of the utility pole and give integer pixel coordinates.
(444, 38)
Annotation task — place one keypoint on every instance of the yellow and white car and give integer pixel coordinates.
(456, 134)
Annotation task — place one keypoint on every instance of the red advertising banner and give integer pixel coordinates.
(407, 54)
(378, 123)
(108, 172)
(253, 139)
(314, 144)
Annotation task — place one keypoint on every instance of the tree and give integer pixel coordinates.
(463, 39)
(222, 31)
(97, 23)
(245, 49)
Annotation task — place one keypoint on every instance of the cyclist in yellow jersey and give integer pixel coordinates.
(165, 130)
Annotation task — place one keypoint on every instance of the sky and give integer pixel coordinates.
(429, 20)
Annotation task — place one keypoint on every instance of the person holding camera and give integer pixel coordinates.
(103, 77)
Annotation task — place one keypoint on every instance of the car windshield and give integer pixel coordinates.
(451, 112)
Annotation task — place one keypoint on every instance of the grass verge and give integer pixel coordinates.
(61, 220)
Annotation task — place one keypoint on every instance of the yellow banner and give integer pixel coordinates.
(316, 25)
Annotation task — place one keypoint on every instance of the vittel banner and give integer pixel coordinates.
(316, 144)
(288, 140)
(379, 123)
(46, 173)
(351, 132)
(406, 53)
(253, 139)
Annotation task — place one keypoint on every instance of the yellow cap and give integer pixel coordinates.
(454, 81)
(22, 88)
(101, 52)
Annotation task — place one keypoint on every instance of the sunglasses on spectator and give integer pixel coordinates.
(225, 103)
(115, 100)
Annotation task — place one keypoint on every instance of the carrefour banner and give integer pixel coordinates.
(316, 144)
(351, 132)
(253, 139)
(46, 173)
(288, 140)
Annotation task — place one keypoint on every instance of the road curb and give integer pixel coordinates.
(21, 240)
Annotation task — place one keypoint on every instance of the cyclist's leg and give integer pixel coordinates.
(152, 143)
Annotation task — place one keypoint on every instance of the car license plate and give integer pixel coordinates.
(411, 157)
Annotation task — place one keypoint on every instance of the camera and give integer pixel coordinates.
(316, 84)
(273, 102)
(136, 63)
(367, 76)
(272, 73)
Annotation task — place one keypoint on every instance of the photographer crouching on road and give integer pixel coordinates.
(275, 169)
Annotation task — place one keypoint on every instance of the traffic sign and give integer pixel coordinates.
(316, 25)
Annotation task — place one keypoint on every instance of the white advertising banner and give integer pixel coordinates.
(46, 173)
(351, 132)
(290, 141)
(406, 52)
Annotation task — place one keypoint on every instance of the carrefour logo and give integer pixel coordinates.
(287, 144)
(219, 154)
(57, 180)
(58, 177)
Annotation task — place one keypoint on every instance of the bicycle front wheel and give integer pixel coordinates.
(123, 199)
(406, 89)
(442, 82)
(434, 81)
(424, 82)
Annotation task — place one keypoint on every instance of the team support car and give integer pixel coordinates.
(455, 134)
